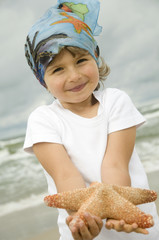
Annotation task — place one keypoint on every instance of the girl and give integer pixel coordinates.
(85, 135)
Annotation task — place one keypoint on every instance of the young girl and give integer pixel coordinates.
(86, 134)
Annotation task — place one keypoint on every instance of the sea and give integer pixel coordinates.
(22, 181)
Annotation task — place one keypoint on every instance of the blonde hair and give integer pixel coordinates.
(104, 71)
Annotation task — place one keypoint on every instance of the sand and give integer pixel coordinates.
(51, 234)
(30, 222)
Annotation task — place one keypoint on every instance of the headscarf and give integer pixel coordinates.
(69, 23)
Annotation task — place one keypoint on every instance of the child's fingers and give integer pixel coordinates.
(74, 226)
(121, 226)
(99, 222)
(78, 228)
(82, 231)
(141, 230)
(134, 228)
(76, 234)
(94, 224)
(68, 220)
(115, 224)
(85, 232)
(109, 225)
(129, 228)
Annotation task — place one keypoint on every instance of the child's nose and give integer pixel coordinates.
(75, 75)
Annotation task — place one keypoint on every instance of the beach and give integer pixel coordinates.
(29, 224)
(39, 222)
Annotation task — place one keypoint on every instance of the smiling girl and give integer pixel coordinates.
(86, 134)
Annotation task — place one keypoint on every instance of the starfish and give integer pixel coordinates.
(106, 201)
(78, 24)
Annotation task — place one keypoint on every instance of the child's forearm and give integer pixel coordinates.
(70, 182)
(115, 165)
(56, 161)
(117, 176)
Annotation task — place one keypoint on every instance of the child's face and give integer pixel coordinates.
(72, 79)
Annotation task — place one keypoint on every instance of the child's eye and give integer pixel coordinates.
(58, 69)
(81, 60)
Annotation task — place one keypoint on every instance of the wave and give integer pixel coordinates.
(12, 141)
(151, 115)
(150, 111)
(32, 201)
(151, 167)
(6, 156)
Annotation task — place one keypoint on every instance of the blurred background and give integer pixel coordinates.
(129, 44)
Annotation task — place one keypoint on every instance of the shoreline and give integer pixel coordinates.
(40, 222)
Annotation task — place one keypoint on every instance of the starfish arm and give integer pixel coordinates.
(71, 200)
(109, 204)
(120, 208)
(123, 209)
(136, 195)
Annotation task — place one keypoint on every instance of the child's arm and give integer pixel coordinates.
(115, 170)
(57, 163)
(119, 149)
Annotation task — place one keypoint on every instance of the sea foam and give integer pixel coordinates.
(32, 201)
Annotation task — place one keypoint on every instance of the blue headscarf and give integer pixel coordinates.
(69, 23)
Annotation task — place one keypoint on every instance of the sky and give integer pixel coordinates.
(129, 43)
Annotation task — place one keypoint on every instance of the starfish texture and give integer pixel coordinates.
(106, 201)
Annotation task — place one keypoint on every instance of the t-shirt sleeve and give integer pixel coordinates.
(42, 126)
(122, 113)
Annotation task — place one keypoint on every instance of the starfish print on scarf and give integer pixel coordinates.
(78, 24)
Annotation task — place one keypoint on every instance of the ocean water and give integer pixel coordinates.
(23, 184)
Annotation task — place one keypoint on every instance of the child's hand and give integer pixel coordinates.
(121, 226)
(82, 232)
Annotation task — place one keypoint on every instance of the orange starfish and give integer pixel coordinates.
(78, 24)
(106, 201)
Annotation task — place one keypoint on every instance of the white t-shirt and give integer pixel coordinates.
(85, 140)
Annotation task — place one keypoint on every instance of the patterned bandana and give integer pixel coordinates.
(71, 23)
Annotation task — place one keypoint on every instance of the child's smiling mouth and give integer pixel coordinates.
(77, 88)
